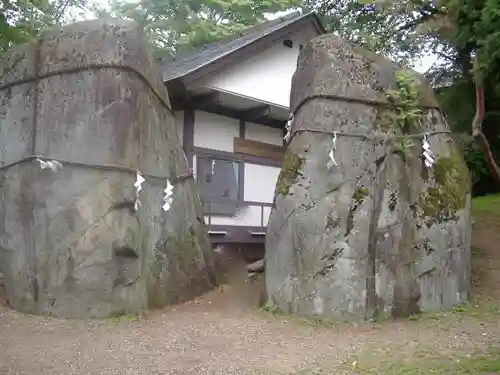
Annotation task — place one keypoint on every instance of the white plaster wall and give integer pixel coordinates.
(249, 216)
(214, 131)
(262, 133)
(260, 182)
(218, 133)
(179, 123)
(265, 77)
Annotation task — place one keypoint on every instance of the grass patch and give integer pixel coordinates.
(480, 363)
(486, 207)
(128, 318)
(476, 252)
(479, 307)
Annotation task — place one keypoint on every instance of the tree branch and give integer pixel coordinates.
(426, 13)
(445, 56)
(479, 137)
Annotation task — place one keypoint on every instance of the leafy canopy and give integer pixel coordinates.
(177, 25)
(458, 32)
(22, 20)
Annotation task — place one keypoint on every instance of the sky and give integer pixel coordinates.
(421, 66)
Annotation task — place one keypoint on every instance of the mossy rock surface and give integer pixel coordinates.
(381, 233)
(72, 244)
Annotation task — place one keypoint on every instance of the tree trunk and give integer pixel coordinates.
(477, 133)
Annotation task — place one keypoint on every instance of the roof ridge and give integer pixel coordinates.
(240, 34)
(196, 58)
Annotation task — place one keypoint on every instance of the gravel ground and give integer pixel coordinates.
(221, 333)
(217, 335)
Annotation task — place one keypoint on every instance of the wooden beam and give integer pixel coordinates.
(260, 149)
(204, 100)
(255, 112)
(188, 135)
(229, 112)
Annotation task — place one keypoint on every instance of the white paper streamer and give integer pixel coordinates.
(288, 128)
(168, 198)
(138, 187)
(332, 162)
(427, 153)
(52, 164)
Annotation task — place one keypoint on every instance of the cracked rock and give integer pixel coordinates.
(380, 233)
(71, 243)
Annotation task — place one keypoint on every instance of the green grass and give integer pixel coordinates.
(480, 363)
(127, 318)
(423, 363)
(479, 307)
(486, 207)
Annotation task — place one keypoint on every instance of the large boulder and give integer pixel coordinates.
(72, 244)
(380, 232)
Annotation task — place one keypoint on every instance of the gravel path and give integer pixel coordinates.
(221, 333)
(216, 335)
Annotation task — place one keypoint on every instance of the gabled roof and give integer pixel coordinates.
(199, 58)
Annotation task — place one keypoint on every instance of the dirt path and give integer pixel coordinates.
(221, 334)
(201, 339)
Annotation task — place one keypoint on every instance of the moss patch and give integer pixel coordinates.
(359, 195)
(292, 163)
(187, 246)
(441, 202)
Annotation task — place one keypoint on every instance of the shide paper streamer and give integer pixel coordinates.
(56, 165)
(52, 164)
(168, 199)
(332, 162)
(427, 153)
(138, 187)
(288, 128)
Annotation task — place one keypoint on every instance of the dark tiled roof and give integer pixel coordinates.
(193, 60)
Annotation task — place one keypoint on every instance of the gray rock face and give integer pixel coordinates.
(71, 244)
(380, 232)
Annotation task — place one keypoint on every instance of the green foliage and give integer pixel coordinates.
(408, 114)
(455, 30)
(382, 26)
(290, 171)
(406, 99)
(22, 20)
(175, 26)
(478, 30)
(441, 202)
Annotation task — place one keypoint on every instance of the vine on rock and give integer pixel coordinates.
(407, 115)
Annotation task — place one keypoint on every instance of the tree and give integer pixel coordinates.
(465, 34)
(22, 20)
(175, 26)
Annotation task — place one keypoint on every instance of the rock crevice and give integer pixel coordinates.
(375, 222)
(71, 242)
